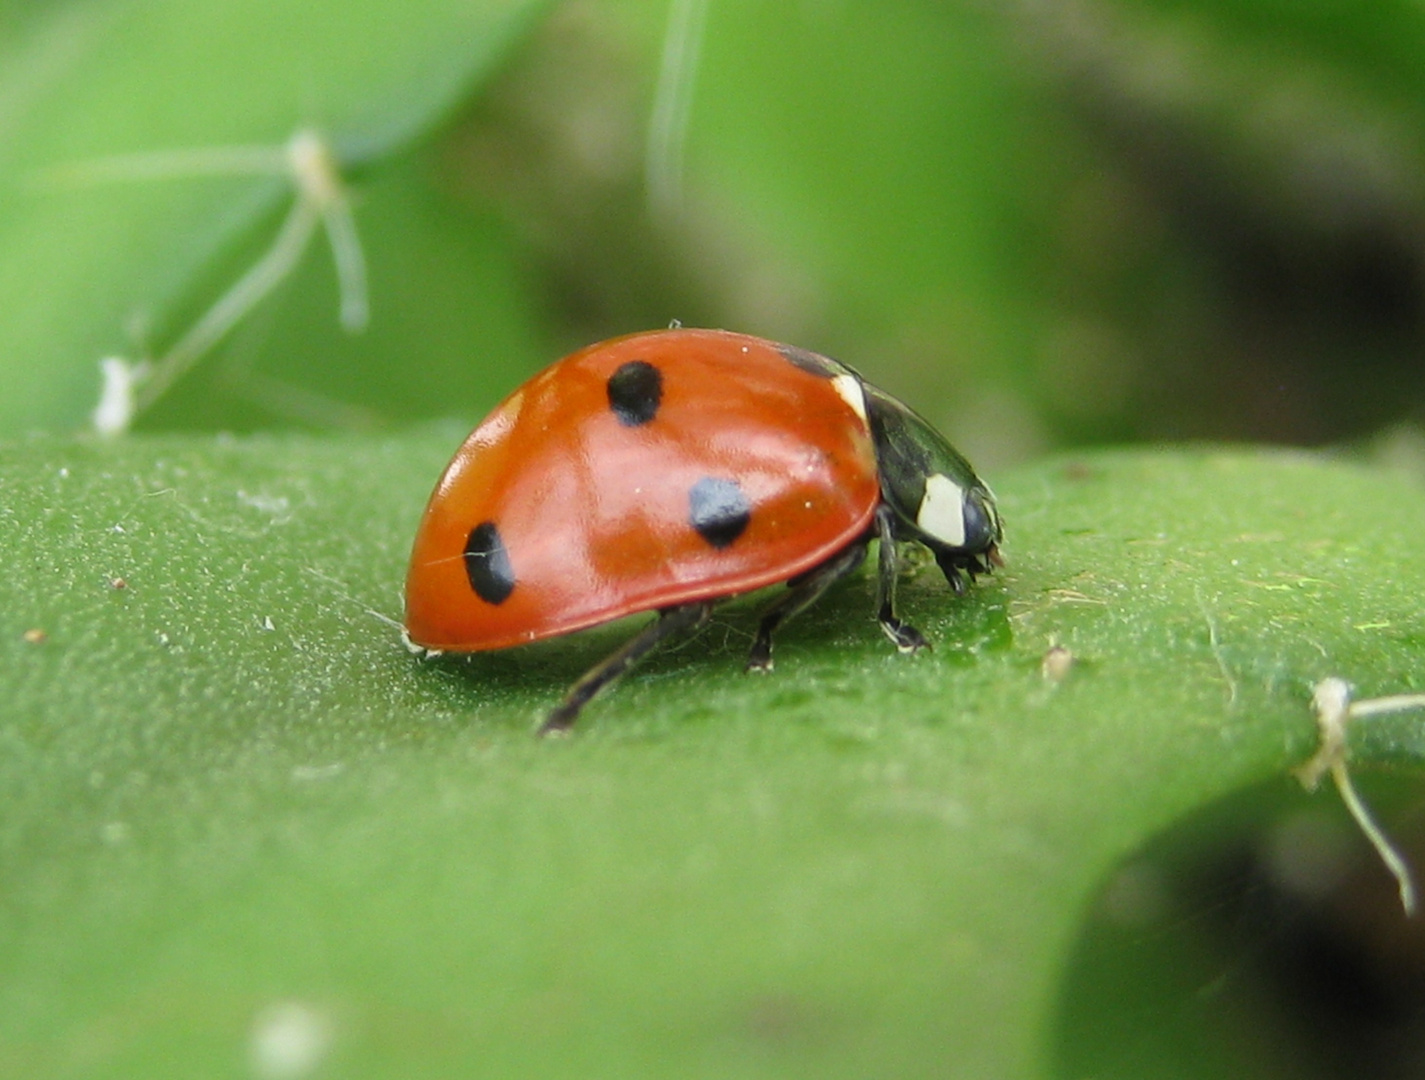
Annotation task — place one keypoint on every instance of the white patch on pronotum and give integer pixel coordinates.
(849, 387)
(942, 510)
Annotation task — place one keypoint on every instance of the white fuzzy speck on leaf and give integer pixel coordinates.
(117, 399)
(289, 1040)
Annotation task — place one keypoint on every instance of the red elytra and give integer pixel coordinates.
(577, 499)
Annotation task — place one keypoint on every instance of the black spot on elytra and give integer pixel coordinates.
(635, 391)
(718, 510)
(487, 564)
(810, 362)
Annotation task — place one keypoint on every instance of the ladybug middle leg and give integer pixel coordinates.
(802, 592)
(905, 637)
(670, 621)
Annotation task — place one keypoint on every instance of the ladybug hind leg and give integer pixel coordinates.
(670, 621)
(802, 592)
(905, 637)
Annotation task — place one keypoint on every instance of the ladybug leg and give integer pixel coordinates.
(905, 637)
(954, 572)
(801, 593)
(670, 621)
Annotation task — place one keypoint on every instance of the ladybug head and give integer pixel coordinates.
(937, 498)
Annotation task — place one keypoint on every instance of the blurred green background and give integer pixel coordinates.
(1045, 224)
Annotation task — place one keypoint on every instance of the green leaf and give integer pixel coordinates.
(94, 269)
(239, 820)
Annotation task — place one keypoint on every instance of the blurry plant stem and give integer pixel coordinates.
(320, 198)
(1334, 712)
(672, 105)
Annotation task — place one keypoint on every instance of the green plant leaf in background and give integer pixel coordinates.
(89, 271)
(451, 322)
(235, 807)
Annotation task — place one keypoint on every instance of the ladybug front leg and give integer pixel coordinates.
(670, 621)
(801, 593)
(905, 637)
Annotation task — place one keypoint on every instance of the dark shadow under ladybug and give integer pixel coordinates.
(510, 673)
(802, 591)
(515, 676)
(847, 461)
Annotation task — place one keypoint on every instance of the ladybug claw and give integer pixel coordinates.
(760, 658)
(904, 637)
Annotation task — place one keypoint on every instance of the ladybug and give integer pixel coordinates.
(666, 471)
